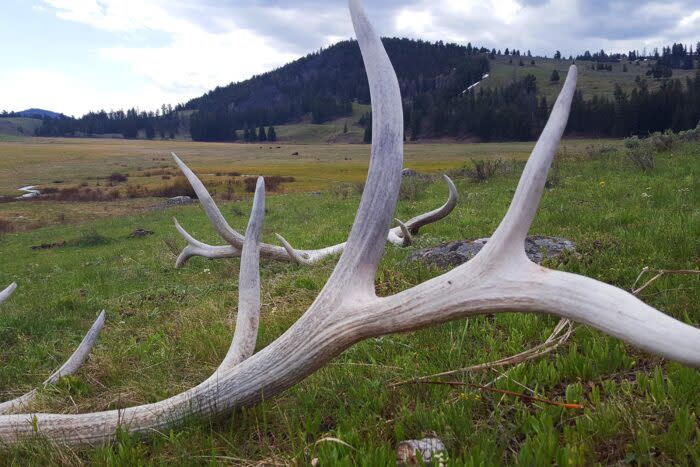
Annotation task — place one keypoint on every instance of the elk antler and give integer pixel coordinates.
(68, 368)
(500, 278)
(195, 247)
(5, 294)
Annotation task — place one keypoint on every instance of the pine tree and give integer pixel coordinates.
(262, 136)
(368, 130)
(272, 134)
(554, 78)
(557, 55)
(345, 129)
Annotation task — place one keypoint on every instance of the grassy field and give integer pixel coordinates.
(168, 329)
(56, 163)
(591, 82)
(18, 126)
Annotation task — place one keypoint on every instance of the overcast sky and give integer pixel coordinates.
(72, 56)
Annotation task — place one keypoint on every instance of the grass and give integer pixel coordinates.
(328, 132)
(168, 329)
(70, 164)
(19, 126)
(593, 83)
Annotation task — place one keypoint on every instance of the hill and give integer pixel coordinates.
(39, 113)
(317, 98)
(19, 126)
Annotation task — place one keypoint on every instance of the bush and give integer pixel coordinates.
(662, 141)
(90, 238)
(272, 183)
(178, 187)
(412, 188)
(6, 226)
(116, 177)
(483, 170)
(642, 157)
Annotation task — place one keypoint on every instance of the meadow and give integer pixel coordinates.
(53, 164)
(168, 329)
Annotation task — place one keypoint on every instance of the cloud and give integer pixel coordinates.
(207, 43)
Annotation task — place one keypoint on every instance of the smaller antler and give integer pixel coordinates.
(195, 247)
(68, 368)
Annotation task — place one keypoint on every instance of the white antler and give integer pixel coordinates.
(68, 368)
(287, 253)
(499, 279)
(5, 294)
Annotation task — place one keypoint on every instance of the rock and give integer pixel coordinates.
(295, 154)
(432, 452)
(409, 173)
(140, 233)
(49, 246)
(178, 201)
(453, 254)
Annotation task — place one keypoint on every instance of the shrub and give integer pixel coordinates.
(662, 141)
(642, 157)
(6, 226)
(482, 170)
(90, 238)
(412, 188)
(117, 177)
(272, 183)
(178, 187)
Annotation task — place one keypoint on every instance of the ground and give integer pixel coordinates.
(167, 329)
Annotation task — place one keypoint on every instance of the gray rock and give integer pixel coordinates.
(453, 254)
(140, 233)
(409, 173)
(178, 201)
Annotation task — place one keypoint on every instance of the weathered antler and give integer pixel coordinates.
(68, 368)
(194, 247)
(5, 294)
(499, 279)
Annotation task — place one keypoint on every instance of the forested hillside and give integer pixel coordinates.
(618, 95)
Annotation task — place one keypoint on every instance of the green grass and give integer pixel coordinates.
(328, 132)
(590, 82)
(168, 329)
(19, 126)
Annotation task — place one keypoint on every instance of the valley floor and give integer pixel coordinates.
(167, 329)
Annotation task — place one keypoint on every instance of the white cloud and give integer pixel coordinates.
(178, 49)
(194, 60)
(71, 95)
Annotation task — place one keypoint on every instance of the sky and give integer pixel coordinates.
(73, 56)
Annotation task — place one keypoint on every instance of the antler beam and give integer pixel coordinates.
(195, 247)
(499, 279)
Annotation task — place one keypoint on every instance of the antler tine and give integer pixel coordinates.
(436, 214)
(210, 208)
(196, 248)
(509, 238)
(68, 368)
(246, 333)
(5, 294)
(358, 264)
(420, 220)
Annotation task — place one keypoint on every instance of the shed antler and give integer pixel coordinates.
(499, 279)
(397, 235)
(68, 368)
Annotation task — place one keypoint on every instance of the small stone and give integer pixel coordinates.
(431, 450)
(140, 233)
(179, 201)
(409, 173)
